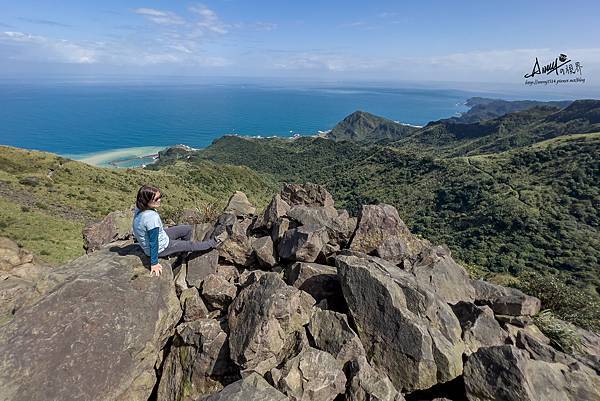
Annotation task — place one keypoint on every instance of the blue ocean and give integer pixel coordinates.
(103, 122)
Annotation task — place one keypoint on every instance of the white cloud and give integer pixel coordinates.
(209, 20)
(35, 47)
(160, 17)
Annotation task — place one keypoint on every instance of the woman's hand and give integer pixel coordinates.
(157, 268)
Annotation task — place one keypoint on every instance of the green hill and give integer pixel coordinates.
(45, 200)
(361, 126)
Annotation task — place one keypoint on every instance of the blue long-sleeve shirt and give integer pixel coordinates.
(153, 242)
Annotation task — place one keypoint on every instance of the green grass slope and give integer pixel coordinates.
(45, 200)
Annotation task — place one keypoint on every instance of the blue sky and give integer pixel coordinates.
(464, 41)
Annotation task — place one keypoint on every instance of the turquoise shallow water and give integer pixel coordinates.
(83, 120)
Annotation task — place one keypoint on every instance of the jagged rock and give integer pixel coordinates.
(199, 356)
(306, 194)
(541, 351)
(449, 280)
(516, 305)
(278, 228)
(589, 348)
(237, 248)
(229, 273)
(385, 301)
(263, 249)
(519, 321)
(318, 280)
(532, 330)
(249, 277)
(239, 205)
(200, 266)
(277, 208)
(303, 243)
(332, 333)
(312, 375)
(252, 387)
(192, 305)
(96, 335)
(380, 231)
(339, 225)
(479, 327)
(115, 226)
(12, 255)
(218, 292)
(507, 373)
(504, 300)
(368, 384)
(22, 280)
(262, 321)
(180, 278)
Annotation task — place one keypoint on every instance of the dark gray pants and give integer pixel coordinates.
(180, 240)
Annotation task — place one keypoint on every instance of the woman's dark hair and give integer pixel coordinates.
(145, 195)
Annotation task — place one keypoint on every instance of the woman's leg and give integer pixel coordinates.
(177, 245)
(182, 231)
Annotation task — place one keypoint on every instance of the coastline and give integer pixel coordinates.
(119, 158)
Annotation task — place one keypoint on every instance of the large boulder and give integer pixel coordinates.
(504, 300)
(309, 194)
(339, 225)
(200, 266)
(381, 232)
(12, 255)
(479, 327)
(277, 208)
(217, 292)
(332, 333)
(318, 280)
(368, 384)
(263, 250)
(263, 320)
(237, 248)
(239, 205)
(507, 373)
(96, 335)
(304, 243)
(407, 330)
(448, 279)
(251, 387)
(115, 226)
(197, 363)
(312, 375)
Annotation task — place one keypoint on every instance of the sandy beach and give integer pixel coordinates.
(126, 157)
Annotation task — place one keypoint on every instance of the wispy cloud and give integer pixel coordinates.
(160, 17)
(34, 47)
(209, 20)
(45, 22)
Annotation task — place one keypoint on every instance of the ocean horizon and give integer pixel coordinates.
(101, 124)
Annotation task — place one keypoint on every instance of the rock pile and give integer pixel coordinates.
(301, 302)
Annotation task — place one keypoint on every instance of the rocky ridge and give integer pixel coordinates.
(301, 302)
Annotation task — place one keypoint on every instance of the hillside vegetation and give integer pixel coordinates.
(45, 200)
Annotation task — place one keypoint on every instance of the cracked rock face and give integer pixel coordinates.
(312, 375)
(262, 321)
(79, 342)
(407, 330)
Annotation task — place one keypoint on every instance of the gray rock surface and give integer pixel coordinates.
(252, 387)
(263, 320)
(312, 375)
(96, 335)
(407, 331)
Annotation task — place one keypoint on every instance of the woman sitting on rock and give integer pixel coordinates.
(157, 241)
